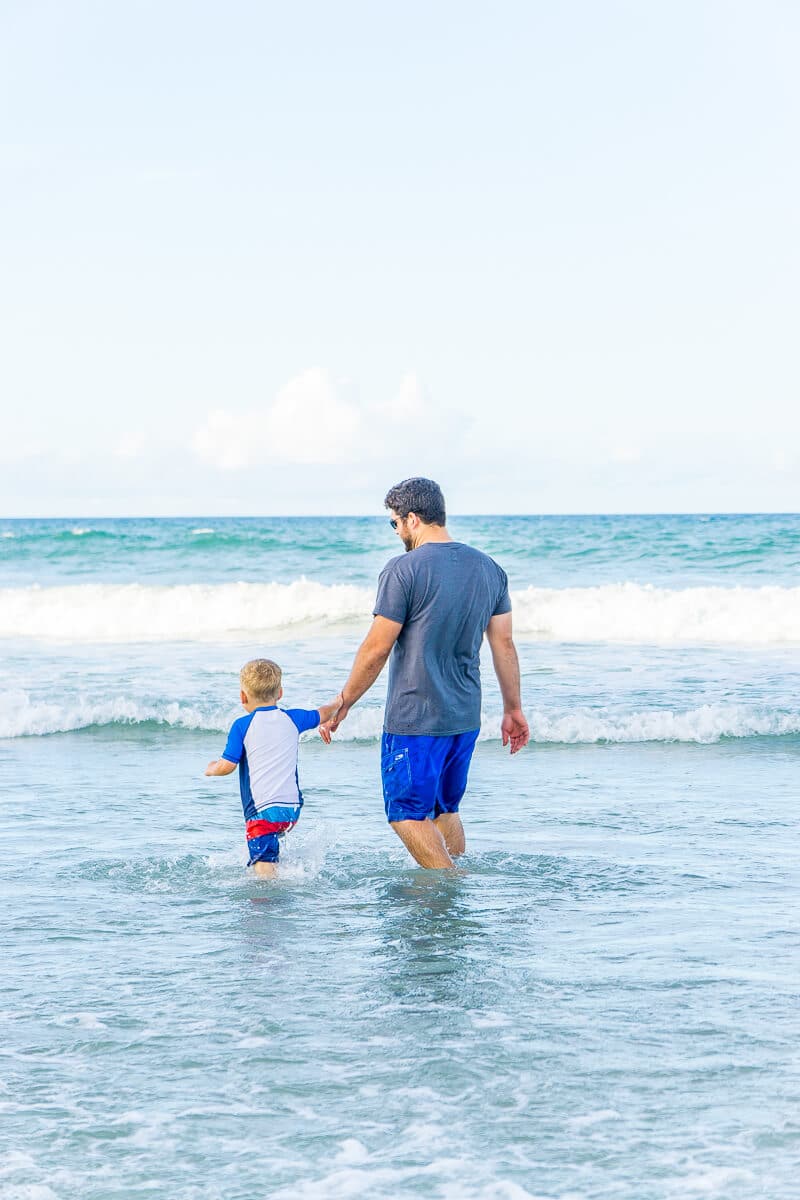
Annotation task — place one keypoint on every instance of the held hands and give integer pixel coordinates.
(514, 729)
(334, 720)
(332, 716)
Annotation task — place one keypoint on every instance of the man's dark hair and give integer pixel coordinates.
(420, 496)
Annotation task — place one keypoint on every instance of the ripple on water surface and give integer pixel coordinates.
(601, 1004)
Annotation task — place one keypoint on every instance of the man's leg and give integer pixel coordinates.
(424, 840)
(452, 787)
(451, 829)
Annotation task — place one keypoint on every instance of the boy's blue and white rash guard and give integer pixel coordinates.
(264, 744)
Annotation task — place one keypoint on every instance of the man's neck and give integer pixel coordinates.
(430, 533)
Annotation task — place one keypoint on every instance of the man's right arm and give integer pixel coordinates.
(370, 660)
(514, 727)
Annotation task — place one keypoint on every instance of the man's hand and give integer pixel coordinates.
(328, 714)
(515, 730)
(329, 727)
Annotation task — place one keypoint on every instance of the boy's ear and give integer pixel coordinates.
(280, 694)
(243, 696)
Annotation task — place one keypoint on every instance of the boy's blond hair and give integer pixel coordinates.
(261, 679)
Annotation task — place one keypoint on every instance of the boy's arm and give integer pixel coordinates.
(234, 749)
(312, 718)
(220, 766)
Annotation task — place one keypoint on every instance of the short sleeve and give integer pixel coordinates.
(503, 604)
(392, 598)
(303, 718)
(234, 747)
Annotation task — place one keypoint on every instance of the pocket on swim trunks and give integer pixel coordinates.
(396, 774)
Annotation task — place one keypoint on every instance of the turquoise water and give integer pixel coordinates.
(550, 550)
(602, 1003)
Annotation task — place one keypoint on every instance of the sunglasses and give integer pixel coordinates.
(394, 522)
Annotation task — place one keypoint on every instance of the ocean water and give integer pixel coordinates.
(601, 1003)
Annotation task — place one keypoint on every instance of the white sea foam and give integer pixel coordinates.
(706, 724)
(184, 612)
(631, 612)
(204, 530)
(22, 716)
(84, 1020)
(15, 1160)
(623, 612)
(598, 1117)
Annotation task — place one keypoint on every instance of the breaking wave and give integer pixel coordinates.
(20, 716)
(630, 612)
(182, 612)
(620, 612)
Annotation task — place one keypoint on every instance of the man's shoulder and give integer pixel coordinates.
(394, 564)
(433, 554)
(463, 552)
(474, 552)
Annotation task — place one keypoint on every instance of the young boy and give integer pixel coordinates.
(264, 745)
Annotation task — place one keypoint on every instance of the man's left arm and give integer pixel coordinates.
(514, 727)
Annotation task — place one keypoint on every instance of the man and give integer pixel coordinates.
(434, 604)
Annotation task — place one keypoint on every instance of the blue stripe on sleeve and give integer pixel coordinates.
(234, 747)
(303, 718)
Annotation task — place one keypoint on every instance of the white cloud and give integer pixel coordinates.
(130, 445)
(313, 421)
(13, 449)
(308, 422)
(412, 417)
(626, 454)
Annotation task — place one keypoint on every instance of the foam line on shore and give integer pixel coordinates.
(21, 716)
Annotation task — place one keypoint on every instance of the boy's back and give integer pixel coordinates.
(264, 744)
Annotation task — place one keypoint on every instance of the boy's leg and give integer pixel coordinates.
(263, 848)
(265, 870)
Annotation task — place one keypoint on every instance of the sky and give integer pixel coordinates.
(265, 258)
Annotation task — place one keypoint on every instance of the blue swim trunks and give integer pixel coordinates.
(262, 842)
(424, 776)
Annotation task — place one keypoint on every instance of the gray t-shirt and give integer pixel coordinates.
(445, 594)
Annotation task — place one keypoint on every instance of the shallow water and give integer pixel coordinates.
(601, 1003)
